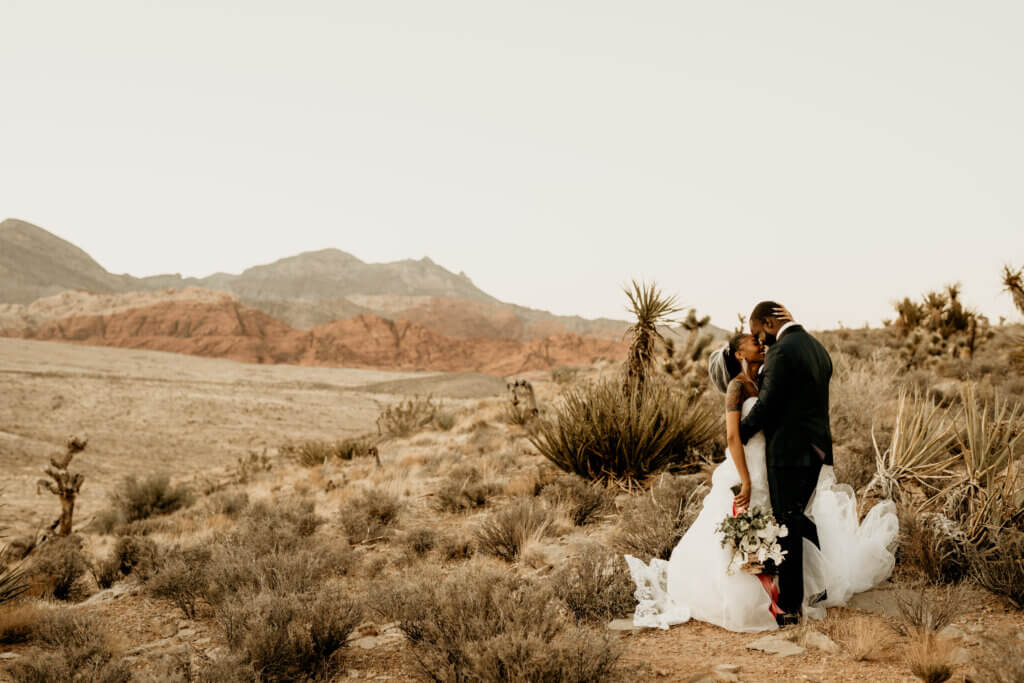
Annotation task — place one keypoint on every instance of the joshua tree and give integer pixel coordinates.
(651, 309)
(681, 362)
(940, 323)
(1013, 281)
(523, 406)
(64, 484)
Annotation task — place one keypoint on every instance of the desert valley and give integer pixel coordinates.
(324, 469)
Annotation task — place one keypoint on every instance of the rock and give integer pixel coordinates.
(877, 601)
(623, 625)
(115, 592)
(9, 655)
(960, 657)
(186, 633)
(168, 630)
(775, 645)
(975, 628)
(953, 633)
(819, 641)
(728, 668)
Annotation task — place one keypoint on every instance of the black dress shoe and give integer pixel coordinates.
(818, 597)
(787, 619)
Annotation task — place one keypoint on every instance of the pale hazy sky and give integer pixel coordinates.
(832, 155)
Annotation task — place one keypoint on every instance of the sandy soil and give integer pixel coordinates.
(148, 410)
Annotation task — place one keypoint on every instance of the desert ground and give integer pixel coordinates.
(232, 434)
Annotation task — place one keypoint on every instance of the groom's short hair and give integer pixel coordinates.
(763, 311)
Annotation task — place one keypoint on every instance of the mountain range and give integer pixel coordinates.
(304, 290)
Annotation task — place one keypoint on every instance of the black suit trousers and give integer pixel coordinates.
(790, 489)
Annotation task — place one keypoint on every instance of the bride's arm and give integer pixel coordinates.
(733, 406)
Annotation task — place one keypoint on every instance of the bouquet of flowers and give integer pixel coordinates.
(753, 536)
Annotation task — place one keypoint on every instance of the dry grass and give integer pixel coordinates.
(928, 610)
(582, 502)
(19, 621)
(508, 532)
(370, 515)
(1001, 568)
(57, 567)
(78, 649)
(483, 623)
(866, 639)
(933, 546)
(654, 521)
(928, 658)
(463, 489)
(596, 585)
(412, 415)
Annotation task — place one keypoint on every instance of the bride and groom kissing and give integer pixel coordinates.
(780, 462)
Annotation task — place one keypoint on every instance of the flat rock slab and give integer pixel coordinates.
(819, 641)
(877, 601)
(623, 626)
(774, 645)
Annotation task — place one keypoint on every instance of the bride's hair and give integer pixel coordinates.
(731, 364)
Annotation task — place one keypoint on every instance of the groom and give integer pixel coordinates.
(792, 409)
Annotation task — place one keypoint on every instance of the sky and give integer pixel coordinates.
(834, 156)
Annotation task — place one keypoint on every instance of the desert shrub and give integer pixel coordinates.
(131, 554)
(138, 499)
(583, 501)
(507, 532)
(229, 669)
(13, 582)
(80, 652)
(444, 420)
(456, 546)
(228, 503)
(655, 520)
(370, 515)
(57, 567)
(290, 636)
(934, 546)
(596, 585)
(18, 621)
(183, 579)
(564, 375)
(482, 623)
(464, 489)
(929, 610)
(1001, 659)
(865, 638)
(598, 433)
(420, 540)
(1001, 567)
(411, 415)
(928, 659)
(313, 453)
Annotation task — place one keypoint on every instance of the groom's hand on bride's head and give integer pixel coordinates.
(783, 315)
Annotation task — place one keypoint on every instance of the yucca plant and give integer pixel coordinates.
(651, 309)
(986, 495)
(13, 581)
(1013, 281)
(919, 450)
(598, 435)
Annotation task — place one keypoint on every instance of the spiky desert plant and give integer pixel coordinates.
(600, 436)
(63, 484)
(13, 582)
(1013, 281)
(682, 361)
(919, 450)
(651, 308)
(985, 496)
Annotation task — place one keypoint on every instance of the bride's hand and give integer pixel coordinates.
(742, 499)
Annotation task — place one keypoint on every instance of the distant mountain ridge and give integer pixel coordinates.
(304, 290)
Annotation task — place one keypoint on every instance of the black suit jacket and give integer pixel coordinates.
(792, 407)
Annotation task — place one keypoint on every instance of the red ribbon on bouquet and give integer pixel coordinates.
(767, 582)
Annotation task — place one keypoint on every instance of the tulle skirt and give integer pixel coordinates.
(693, 584)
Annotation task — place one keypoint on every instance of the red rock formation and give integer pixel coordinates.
(225, 328)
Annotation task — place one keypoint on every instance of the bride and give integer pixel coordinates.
(849, 557)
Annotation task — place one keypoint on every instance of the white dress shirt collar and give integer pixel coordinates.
(782, 330)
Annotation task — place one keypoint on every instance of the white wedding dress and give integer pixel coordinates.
(693, 583)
